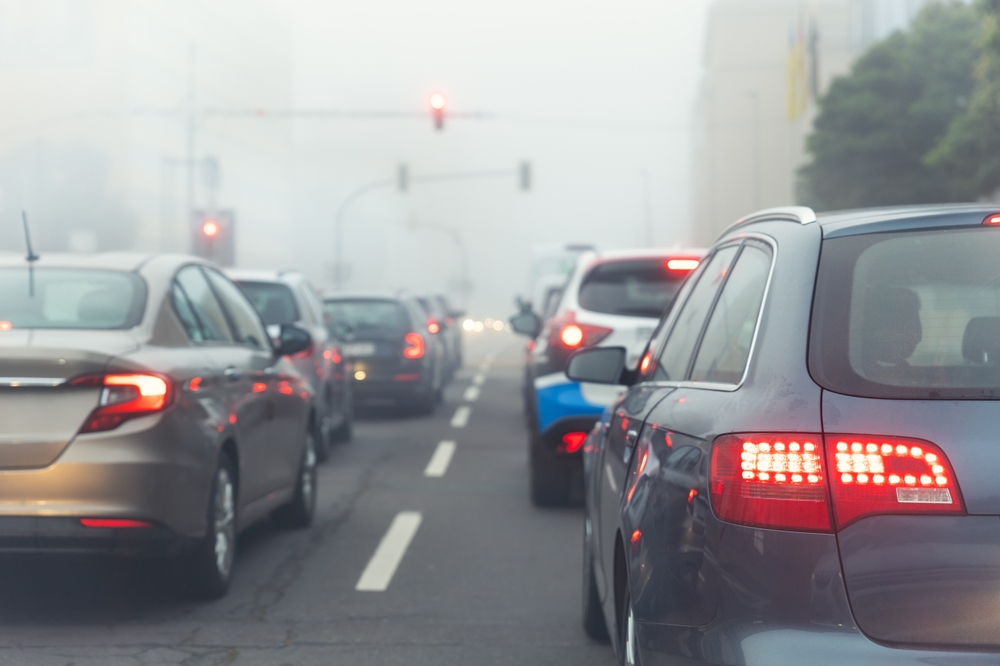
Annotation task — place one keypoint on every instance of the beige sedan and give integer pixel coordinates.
(145, 411)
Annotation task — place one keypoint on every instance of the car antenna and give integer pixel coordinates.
(31, 258)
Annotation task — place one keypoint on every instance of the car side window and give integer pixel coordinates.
(725, 347)
(248, 327)
(186, 314)
(205, 308)
(683, 337)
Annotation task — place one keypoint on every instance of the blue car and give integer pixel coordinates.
(807, 470)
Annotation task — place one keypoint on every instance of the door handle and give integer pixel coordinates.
(232, 373)
(630, 438)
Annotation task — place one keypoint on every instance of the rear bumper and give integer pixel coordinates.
(373, 391)
(24, 535)
(557, 399)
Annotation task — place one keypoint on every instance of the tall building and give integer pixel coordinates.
(120, 117)
(765, 64)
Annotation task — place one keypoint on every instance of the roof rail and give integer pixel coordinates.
(800, 214)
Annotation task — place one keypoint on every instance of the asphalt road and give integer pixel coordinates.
(459, 567)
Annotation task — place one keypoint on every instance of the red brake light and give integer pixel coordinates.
(114, 523)
(992, 220)
(770, 480)
(685, 265)
(566, 332)
(124, 397)
(572, 442)
(433, 326)
(414, 345)
(644, 364)
(880, 475)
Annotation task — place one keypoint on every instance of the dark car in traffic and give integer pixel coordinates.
(287, 297)
(806, 470)
(396, 356)
(144, 411)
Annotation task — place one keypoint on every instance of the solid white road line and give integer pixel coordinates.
(479, 379)
(461, 417)
(471, 394)
(439, 461)
(381, 568)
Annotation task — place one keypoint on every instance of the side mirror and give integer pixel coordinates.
(526, 323)
(598, 365)
(292, 340)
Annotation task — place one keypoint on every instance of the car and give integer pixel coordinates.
(144, 411)
(287, 297)
(441, 322)
(805, 471)
(612, 298)
(397, 358)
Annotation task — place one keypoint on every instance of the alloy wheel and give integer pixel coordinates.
(224, 523)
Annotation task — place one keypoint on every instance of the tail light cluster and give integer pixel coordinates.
(413, 345)
(568, 333)
(821, 483)
(125, 396)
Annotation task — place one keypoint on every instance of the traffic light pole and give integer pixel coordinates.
(340, 269)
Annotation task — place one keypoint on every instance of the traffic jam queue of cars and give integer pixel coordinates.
(154, 406)
(802, 467)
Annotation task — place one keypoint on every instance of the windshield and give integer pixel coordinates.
(635, 287)
(274, 301)
(369, 319)
(912, 314)
(70, 298)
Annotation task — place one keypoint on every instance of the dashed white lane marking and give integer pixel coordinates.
(461, 417)
(439, 461)
(471, 394)
(381, 568)
(479, 379)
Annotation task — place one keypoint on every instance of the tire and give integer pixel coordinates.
(209, 567)
(299, 512)
(593, 615)
(629, 652)
(345, 431)
(550, 481)
(424, 404)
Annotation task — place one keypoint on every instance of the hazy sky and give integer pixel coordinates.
(598, 96)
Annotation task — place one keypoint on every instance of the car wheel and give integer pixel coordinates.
(299, 512)
(550, 481)
(322, 436)
(210, 565)
(593, 615)
(345, 430)
(424, 404)
(629, 647)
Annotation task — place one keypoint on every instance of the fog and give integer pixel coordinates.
(287, 108)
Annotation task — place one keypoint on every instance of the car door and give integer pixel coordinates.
(277, 456)
(669, 368)
(242, 393)
(674, 504)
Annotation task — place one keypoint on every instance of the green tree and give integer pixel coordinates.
(970, 151)
(877, 124)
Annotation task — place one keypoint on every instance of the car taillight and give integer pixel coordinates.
(879, 475)
(414, 345)
(682, 265)
(770, 480)
(782, 480)
(125, 396)
(433, 326)
(568, 333)
(572, 442)
(115, 523)
(992, 220)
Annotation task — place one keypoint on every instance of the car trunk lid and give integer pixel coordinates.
(928, 579)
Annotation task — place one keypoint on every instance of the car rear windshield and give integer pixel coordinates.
(909, 314)
(70, 298)
(369, 318)
(636, 287)
(274, 301)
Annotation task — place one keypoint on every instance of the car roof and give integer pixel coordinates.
(365, 296)
(648, 252)
(122, 261)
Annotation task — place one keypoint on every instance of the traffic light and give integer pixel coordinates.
(213, 236)
(438, 101)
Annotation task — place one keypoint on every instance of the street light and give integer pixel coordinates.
(438, 101)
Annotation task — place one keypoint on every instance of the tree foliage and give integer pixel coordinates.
(877, 124)
(970, 151)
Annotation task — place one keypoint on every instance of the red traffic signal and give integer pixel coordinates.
(438, 101)
(210, 228)
(213, 235)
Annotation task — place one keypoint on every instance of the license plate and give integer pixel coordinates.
(359, 349)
